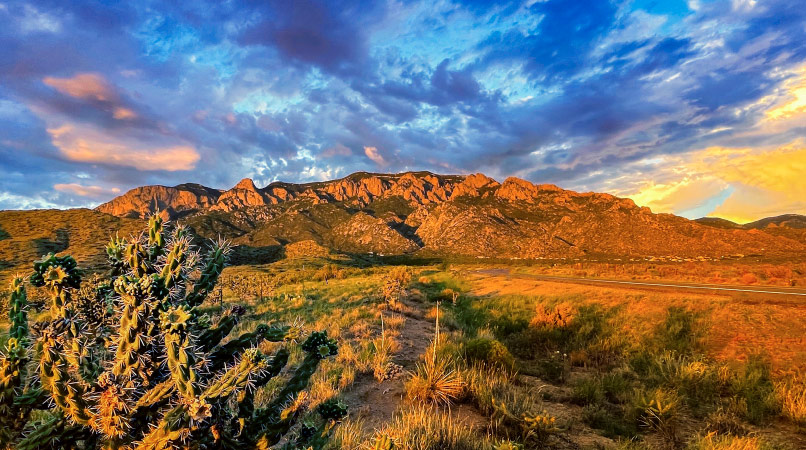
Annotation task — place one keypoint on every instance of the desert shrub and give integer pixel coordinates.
(611, 386)
(484, 383)
(713, 441)
(659, 411)
(749, 278)
(435, 381)
(587, 391)
(395, 283)
(520, 415)
(679, 332)
(617, 386)
(348, 435)
(608, 419)
(724, 420)
(158, 372)
(755, 390)
(328, 272)
(489, 351)
(693, 378)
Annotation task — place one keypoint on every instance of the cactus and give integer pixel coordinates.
(129, 362)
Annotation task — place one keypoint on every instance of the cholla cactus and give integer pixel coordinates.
(152, 373)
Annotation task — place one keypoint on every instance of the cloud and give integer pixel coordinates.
(89, 146)
(373, 154)
(86, 191)
(88, 86)
(748, 183)
(588, 96)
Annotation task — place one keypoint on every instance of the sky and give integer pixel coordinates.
(689, 107)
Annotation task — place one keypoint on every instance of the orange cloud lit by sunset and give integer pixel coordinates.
(88, 86)
(88, 145)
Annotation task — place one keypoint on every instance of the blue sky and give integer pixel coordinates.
(691, 107)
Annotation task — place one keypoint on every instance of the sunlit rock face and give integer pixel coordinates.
(470, 215)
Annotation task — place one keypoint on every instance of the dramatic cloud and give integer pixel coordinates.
(373, 154)
(86, 145)
(689, 107)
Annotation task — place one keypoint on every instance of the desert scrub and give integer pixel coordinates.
(521, 416)
(680, 332)
(394, 285)
(754, 388)
(660, 411)
(157, 371)
(484, 383)
(435, 381)
(489, 351)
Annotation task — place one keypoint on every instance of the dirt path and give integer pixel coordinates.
(376, 403)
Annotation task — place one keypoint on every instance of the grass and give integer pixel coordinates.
(536, 364)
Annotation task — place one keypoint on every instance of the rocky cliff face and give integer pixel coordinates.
(470, 215)
(171, 202)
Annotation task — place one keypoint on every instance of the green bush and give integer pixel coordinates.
(607, 419)
(755, 390)
(679, 332)
(588, 391)
(489, 351)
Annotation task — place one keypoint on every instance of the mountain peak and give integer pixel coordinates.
(247, 184)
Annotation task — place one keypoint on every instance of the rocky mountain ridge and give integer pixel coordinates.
(472, 215)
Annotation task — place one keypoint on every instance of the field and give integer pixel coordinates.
(538, 364)
(439, 355)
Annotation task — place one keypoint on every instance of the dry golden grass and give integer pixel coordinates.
(430, 428)
(712, 441)
(738, 326)
(792, 395)
(718, 272)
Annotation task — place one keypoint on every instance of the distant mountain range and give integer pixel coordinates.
(408, 213)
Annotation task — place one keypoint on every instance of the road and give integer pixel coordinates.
(792, 292)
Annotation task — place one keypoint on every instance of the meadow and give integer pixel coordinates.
(460, 359)
(445, 355)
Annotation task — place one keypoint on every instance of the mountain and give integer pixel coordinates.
(417, 213)
(27, 235)
(471, 215)
(791, 226)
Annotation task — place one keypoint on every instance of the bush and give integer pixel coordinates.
(607, 419)
(425, 428)
(755, 390)
(489, 351)
(678, 332)
(588, 391)
(435, 382)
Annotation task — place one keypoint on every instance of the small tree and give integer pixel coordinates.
(154, 373)
(395, 284)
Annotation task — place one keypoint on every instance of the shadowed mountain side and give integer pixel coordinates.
(82, 233)
(791, 226)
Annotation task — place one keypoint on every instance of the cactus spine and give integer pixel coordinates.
(155, 373)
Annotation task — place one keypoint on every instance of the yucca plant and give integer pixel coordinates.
(133, 364)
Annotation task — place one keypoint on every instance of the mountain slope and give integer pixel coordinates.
(470, 215)
(415, 212)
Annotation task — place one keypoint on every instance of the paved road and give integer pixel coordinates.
(666, 285)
